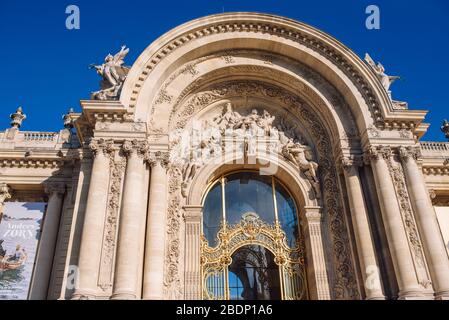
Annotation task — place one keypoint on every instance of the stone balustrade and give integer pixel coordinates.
(14, 139)
(433, 149)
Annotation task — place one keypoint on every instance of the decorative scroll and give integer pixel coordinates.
(251, 230)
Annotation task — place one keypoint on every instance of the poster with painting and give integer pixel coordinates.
(19, 236)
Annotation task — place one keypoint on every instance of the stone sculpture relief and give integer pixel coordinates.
(113, 73)
(251, 129)
(343, 280)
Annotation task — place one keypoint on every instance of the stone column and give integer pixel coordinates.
(4, 195)
(153, 277)
(192, 256)
(317, 272)
(132, 220)
(433, 243)
(47, 242)
(364, 240)
(94, 219)
(395, 230)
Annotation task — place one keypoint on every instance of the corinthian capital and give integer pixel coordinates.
(102, 146)
(5, 193)
(158, 157)
(135, 146)
(378, 152)
(55, 188)
(407, 153)
(347, 163)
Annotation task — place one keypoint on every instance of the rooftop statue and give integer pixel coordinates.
(386, 80)
(379, 70)
(113, 73)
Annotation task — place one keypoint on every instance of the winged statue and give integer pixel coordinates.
(113, 73)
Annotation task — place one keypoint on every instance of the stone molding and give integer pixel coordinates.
(55, 188)
(240, 25)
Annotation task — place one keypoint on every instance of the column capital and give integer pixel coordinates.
(5, 192)
(408, 152)
(158, 157)
(193, 213)
(349, 162)
(101, 145)
(313, 214)
(55, 188)
(139, 147)
(378, 152)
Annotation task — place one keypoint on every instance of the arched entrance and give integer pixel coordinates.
(252, 247)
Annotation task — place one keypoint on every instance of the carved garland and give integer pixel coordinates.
(345, 286)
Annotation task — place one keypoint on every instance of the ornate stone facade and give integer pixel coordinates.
(136, 163)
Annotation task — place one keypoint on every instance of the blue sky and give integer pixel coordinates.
(44, 65)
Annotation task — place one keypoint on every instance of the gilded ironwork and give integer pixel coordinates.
(251, 230)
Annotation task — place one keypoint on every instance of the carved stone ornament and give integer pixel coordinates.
(103, 146)
(341, 266)
(113, 75)
(255, 131)
(4, 193)
(17, 118)
(141, 148)
(406, 153)
(55, 188)
(158, 157)
(386, 81)
(105, 279)
(405, 207)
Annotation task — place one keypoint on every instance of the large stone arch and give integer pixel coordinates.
(366, 99)
(338, 249)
